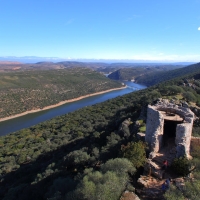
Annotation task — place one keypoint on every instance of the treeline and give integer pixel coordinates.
(90, 153)
(21, 91)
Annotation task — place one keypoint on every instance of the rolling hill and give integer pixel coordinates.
(25, 90)
(152, 79)
(80, 155)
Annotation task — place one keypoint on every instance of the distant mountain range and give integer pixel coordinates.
(35, 59)
(102, 67)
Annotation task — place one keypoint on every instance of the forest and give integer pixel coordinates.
(152, 79)
(153, 75)
(92, 153)
(137, 72)
(26, 90)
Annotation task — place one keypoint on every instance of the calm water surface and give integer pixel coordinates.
(26, 121)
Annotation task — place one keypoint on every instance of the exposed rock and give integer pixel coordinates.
(172, 101)
(152, 155)
(152, 168)
(185, 104)
(179, 183)
(124, 128)
(151, 188)
(141, 136)
(129, 196)
(142, 182)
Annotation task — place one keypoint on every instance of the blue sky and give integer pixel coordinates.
(163, 30)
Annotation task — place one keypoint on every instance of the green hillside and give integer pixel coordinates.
(152, 79)
(130, 73)
(21, 91)
(135, 72)
(87, 154)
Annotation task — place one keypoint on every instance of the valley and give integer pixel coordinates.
(67, 156)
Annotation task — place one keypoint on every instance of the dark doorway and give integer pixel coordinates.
(169, 132)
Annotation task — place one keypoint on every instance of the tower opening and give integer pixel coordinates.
(169, 132)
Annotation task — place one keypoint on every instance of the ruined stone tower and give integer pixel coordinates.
(169, 123)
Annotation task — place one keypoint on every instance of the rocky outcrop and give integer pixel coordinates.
(141, 136)
(150, 188)
(124, 128)
(129, 196)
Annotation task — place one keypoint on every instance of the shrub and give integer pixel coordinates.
(96, 185)
(192, 190)
(108, 183)
(173, 194)
(119, 166)
(189, 96)
(62, 185)
(77, 157)
(135, 152)
(181, 166)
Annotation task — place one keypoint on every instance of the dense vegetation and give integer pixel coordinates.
(90, 153)
(26, 90)
(152, 79)
(139, 72)
(153, 75)
(114, 67)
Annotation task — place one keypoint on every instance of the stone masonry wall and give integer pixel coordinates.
(183, 138)
(155, 125)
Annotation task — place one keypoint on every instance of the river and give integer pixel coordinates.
(28, 120)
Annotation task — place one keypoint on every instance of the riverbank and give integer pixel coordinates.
(59, 104)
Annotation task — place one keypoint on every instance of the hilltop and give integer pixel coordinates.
(94, 149)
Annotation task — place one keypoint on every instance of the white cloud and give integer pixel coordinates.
(199, 29)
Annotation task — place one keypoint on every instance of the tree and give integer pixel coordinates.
(189, 96)
(97, 186)
(181, 166)
(108, 183)
(61, 185)
(135, 152)
(119, 166)
(77, 157)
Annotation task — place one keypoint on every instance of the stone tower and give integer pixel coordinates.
(169, 123)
